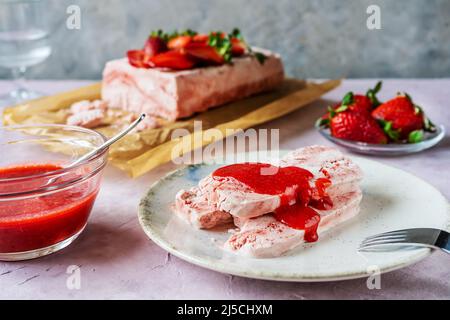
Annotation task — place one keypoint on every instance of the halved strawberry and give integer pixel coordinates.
(138, 59)
(154, 45)
(204, 52)
(179, 42)
(173, 59)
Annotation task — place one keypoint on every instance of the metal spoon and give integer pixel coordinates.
(99, 149)
(107, 143)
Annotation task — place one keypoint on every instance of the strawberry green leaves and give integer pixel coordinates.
(427, 124)
(222, 43)
(323, 122)
(166, 36)
(372, 94)
(346, 102)
(394, 135)
(416, 136)
(261, 57)
(236, 34)
(348, 99)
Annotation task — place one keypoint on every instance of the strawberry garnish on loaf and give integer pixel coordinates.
(401, 119)
(191, 49)
(204, 52)
(138, 58)
(179, 42)
(154, 45)
(173, 59)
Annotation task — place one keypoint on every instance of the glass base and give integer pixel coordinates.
(18, 96)
(33, 254)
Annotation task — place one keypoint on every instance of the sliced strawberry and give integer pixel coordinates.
(221, 34)
(200, 38)
(204, 52)
(138, 59)
(238, 48)
(357, 126)
(179, 42)
(154, 45)
(173, 59)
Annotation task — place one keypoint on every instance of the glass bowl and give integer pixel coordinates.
(390, 149)
(43, 206)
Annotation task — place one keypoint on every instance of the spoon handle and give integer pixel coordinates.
(109, 142)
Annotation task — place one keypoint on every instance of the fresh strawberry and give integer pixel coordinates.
(360, 103)
(139, 59)
(353, 102)
(357, 126)
(204, 52)
(238, 47)
(154, 45)
(173, 59)
(179, 42)
(400, 117)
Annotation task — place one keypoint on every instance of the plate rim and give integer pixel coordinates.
(377, 149)
(421, 254)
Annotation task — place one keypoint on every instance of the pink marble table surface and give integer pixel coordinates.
(118, 261)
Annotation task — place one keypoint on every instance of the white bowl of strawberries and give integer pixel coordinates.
(363, 124)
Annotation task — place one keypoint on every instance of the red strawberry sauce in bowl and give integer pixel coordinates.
(43, 206)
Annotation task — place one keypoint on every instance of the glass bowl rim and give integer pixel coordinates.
(62, 170)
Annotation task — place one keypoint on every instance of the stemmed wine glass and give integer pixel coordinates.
(24, 42)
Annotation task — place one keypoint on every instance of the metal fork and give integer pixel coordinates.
(407, 239)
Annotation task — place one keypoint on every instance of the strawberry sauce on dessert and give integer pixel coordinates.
(292, 184)
(35, 222)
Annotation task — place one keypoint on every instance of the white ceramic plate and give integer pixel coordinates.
(393, 199)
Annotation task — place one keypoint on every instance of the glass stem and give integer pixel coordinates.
(18, 75)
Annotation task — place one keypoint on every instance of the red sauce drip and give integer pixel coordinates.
(292, 184)
(320, 200)
(41, 221)
(301, 218)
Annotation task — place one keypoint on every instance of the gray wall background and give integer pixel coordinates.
(317, 38)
